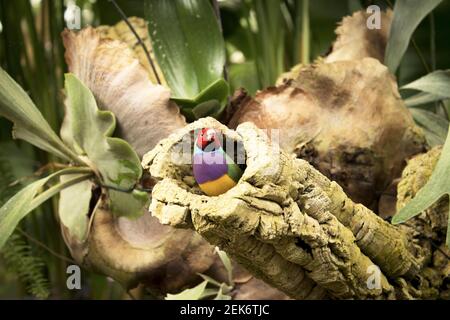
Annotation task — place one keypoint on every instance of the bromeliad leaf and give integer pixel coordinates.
(435, 127)
(29, 198)
(190, 49)
(437, 186)
(30, 125)
(421, 99)
(436, 83)
(206, 103)
(179, 30)
(114, 160)
(407, 16)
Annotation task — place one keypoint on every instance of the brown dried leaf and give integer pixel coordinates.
(144, 251)
(123, 33)
(356, 41)
(121, 84)
(346, 118)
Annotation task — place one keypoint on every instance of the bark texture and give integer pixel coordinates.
(427, 230)
(286, 222)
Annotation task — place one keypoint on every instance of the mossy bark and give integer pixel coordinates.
(286, 222)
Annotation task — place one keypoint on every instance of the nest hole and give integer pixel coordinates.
(183, 157)
(300, 243)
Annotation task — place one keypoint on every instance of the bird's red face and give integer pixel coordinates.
(207, 137)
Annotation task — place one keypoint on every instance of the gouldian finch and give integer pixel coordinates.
(214, 170)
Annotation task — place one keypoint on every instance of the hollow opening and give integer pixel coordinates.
(304, 246)
(208, 167)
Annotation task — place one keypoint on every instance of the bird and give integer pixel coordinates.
(214, 170)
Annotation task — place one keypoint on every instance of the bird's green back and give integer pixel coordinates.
(234, 171)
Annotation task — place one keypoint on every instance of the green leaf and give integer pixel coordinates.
(130, 204)
(437, 186)
(269, 39)
(210, 102)
(305, 38)
(210, 280)
(354, 5)
(188, 45)
(207, 108)
(74, 205)
(421, 99)
(435, 127)
(244, 75)
(436, 83)
(114, 159)
(195, 293)
(221, 295)
(227, 264)
(407, 16)
(29, 198)
(29, 124)
(218, 90)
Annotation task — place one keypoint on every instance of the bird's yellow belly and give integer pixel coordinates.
(217, 187)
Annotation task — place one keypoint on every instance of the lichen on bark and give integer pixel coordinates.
(285, 222)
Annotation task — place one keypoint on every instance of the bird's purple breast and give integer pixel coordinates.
(209, 166)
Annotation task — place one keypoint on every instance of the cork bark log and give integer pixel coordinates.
(287, 223)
